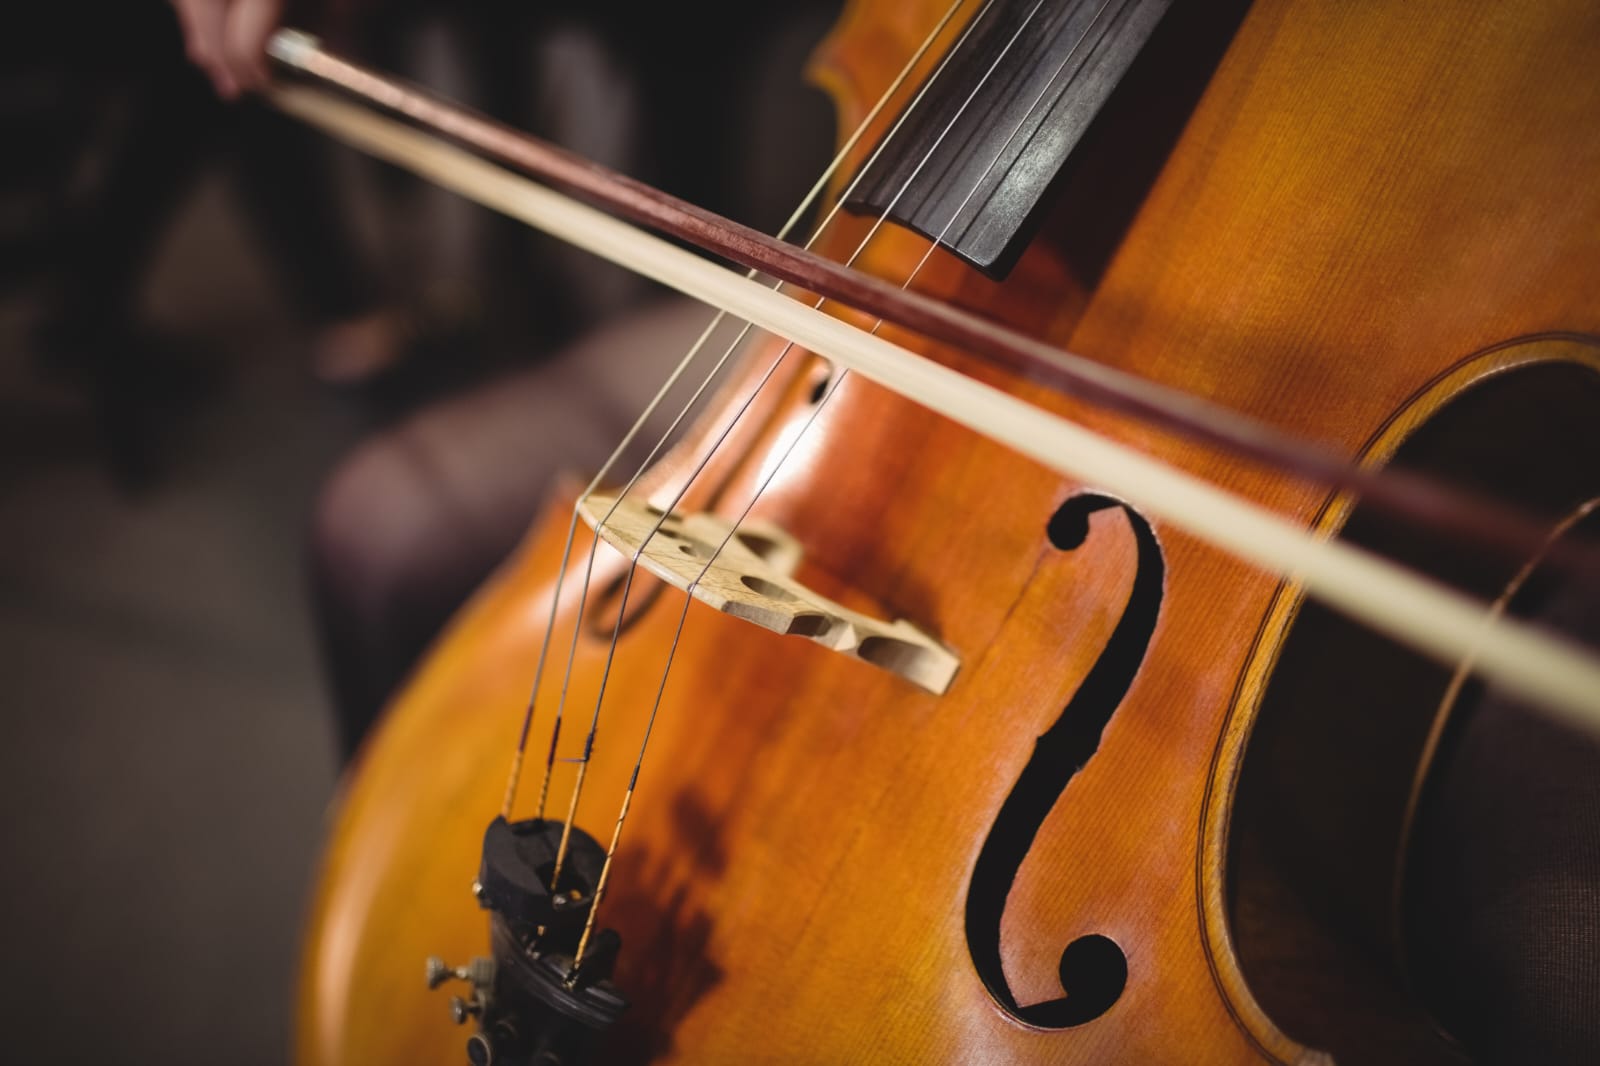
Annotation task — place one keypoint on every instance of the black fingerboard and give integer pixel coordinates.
(977, 155)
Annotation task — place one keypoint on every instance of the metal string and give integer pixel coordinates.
(832, 388)
(584, 760)
(716, 445)
(794, 219)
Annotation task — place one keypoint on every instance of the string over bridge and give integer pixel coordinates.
(747, 573)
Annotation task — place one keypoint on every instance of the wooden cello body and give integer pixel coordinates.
(1361, 205)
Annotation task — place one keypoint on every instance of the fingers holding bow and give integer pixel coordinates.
(228, 39)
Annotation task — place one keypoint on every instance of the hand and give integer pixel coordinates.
(228, 40)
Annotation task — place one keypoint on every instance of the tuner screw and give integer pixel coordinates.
(461, 1010)
(480, 1052)
(480, 971)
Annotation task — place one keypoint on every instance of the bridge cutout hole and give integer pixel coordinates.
(770, 589)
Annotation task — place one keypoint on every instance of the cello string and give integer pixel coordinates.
(806, 202)
(838, 381)
(665, 512)
(916, 269)
(1021, 125)
(584, 760)
(628, 583)
(833, 386)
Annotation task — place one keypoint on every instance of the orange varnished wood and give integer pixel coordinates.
(1364, 195)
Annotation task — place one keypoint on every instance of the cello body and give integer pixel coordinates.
(1360, 206)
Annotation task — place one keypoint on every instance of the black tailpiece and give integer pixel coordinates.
(534, 1006)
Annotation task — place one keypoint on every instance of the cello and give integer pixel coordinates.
(1034, 823)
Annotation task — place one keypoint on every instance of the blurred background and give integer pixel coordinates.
(268, 413)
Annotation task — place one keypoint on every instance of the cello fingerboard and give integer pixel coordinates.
(971, 167)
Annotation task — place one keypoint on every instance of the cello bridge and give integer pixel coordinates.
(748, 572)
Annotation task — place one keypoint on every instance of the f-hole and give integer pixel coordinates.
(1093, 969)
